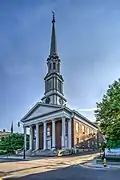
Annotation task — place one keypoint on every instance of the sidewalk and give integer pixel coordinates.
(11, 167)
(18, 158)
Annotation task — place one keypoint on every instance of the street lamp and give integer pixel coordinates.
(24, 146)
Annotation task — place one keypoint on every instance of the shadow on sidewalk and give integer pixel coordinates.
(9, 160)
(33, 158)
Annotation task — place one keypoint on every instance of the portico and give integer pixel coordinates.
(55, 133)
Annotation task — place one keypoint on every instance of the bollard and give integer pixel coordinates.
(104, 162)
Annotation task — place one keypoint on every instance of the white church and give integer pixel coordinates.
(52, 124)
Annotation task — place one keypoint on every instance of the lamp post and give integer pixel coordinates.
(24, 153)
(24, 146)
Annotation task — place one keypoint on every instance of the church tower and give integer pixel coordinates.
(53, 79)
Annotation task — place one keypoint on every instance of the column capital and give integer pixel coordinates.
(53, 120)
(31, 125)
(63, 117)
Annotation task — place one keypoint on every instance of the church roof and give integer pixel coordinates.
(48, 108)
(42, 109)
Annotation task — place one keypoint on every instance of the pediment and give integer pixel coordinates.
(40, 109)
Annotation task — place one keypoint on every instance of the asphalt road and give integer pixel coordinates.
(73, 173)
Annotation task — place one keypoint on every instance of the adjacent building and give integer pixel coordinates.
(52, 124)
(4, 134)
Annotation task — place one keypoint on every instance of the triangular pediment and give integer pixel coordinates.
(40, 109)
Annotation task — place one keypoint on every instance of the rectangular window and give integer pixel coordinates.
(49, 67)
(83, 129)
(77, 141)
(96, 144)
(48, 131)
(88, 144)
(77, 127)
(93, 132)
(88, 131)
(54, 66)
(59, 86)
(58, 67)
(49, 84)
(92, 143)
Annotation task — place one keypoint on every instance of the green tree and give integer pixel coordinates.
(108, 112)
(13, 142)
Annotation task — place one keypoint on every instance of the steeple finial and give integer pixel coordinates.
(53, 21)
(53, 48)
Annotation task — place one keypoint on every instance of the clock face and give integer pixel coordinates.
(61, 101)
(47, 101)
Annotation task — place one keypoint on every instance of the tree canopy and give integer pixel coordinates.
(13, 142)
(108, 112)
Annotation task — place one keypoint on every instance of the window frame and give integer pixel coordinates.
(77, 140)
(77, 127)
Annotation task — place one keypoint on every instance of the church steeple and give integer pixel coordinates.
(53, 79)
(53, 48)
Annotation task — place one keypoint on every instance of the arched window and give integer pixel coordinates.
(58, 67)
(54, 67)
(59, 86)
(49, 67)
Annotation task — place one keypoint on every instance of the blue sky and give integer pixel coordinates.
(88, 37)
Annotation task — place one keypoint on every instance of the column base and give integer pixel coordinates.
(53, 148)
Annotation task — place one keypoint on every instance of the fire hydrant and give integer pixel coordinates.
(104, 162)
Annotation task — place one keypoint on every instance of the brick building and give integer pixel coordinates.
(52, 124)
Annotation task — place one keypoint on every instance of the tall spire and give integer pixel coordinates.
(53, 48)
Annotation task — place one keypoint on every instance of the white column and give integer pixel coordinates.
(37, 136)
(63, 132)
(44, 124)
(70, 134)
(31, 138)
(53, 133)
(25, 138)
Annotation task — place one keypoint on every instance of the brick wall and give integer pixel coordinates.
(83, 136)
